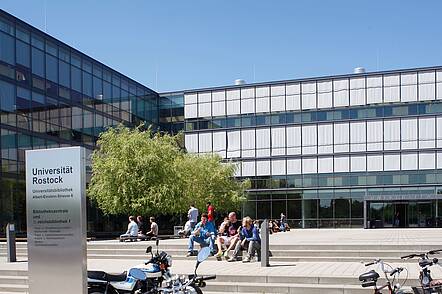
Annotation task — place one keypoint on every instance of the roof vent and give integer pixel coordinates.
(358, 70)
(239, 82)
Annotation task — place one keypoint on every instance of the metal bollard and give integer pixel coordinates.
(265, 243)
(10, 242)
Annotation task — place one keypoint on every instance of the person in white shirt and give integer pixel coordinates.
(153, 229)
(132, 230)
(192, 214)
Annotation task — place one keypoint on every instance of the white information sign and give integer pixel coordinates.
(56, 218)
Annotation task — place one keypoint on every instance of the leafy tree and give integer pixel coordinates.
(139, 172)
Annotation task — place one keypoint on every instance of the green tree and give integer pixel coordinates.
(139, 172)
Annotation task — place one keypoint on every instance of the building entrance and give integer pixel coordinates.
(402, 214)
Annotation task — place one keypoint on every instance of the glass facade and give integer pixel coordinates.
(52, 95)
(319, 149)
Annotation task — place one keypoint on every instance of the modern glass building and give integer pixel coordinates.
(342, 151)
(52, 95)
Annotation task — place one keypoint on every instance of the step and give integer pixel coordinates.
(13, 280)
(282, 288)
(13, 288)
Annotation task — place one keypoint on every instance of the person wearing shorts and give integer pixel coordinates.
(228, 235)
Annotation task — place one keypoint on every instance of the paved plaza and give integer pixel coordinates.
(337, 243)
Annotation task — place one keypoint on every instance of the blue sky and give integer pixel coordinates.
(175, 45)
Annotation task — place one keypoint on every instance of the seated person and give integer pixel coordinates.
(132, 230)
(153, 229)
(185, 232)
(203, 234)
(141, 227)
(250, 240)
(229, 235)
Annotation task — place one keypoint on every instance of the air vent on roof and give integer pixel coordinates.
(358, 70)
(239, 82)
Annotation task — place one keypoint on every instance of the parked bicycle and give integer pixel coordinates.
(427, 284)
(369, 279)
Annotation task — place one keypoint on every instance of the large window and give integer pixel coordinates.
(6, 48)
(38, 63)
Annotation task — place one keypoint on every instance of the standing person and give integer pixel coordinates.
(153, 228)
(283, 222)
(210, 213)
(203, 234)
(132, 229)
(192, 215)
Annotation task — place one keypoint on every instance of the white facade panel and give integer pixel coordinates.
(278, 141)
(375, 163)
(340, 93)
(263, 104)
(205, 142)
(191, 143)
(248, 143)
(439, 132)
(309, 139)
(392, 162)
(191, 111)
(204, 110)
(374, 95)
(391, 94)
(439, 90)
(427, 132)
(233, 107)
(278, 167)
(392, 135)
(309, 165)
(292, 89)
(262, 142)
(358, 163)
(341, 134)
(219, 108)
(427, 92)
(190, 98)
(325, 100)
(233, 144)
(342, 164)
(375, 135)
(219, 143)
(204, 97)
(277, 90)
(308, 101)
(293, 134)
(293, 102)
(294, 166)
(325, 165)
(325, 138)
(263, 167)
(233, 94)
(408, 93)
(358, 136)
(248, 168)
(247, 93)
(439, 160)
(357, 97)
(409, 161)
(408, 133)
(248, 105)
(263, 91)
(218, 96)
(277, 103)
(427, 160)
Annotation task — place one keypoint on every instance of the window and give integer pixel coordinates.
(427, 85)
(375, 163)
(409, 161)
(427, 132)
(358, 163)
(248, 168)
(293, 166)
(23, 54)
(392, 162)
(374, 90)
(263, 168)
(263, 142)
(375, 135)
(38, 63)
(248, 143)
(357, 91)
(64, 73)
(191, 143)
(309, 139)
(392, 134)
(219, 143)
(7, 96)
(309, 165)
(6, 48)
(76, 79)
(205, 143)
(293, 140)
(357, 136)
(325, 97)
(409, 134)
(325, 165)
(427, 160)
(391, 88)
(309, 95)
(408, 87)
(233, 144)
(87, 84)
(340, 92)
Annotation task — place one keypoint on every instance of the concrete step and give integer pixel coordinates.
(13, 280)
(13, 288)
(244, 287)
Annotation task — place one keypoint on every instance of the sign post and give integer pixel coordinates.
(56, 218)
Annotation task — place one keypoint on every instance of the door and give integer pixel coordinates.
(401, 215)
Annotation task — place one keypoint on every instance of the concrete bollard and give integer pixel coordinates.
(265, 243)
(10, 242)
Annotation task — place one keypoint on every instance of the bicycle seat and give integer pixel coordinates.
(103, 276)
(371, 275)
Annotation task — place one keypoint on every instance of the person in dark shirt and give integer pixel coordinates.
(250, 240)
(228, 235)
(141, 227)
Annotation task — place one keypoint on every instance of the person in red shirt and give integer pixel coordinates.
(210, 212)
